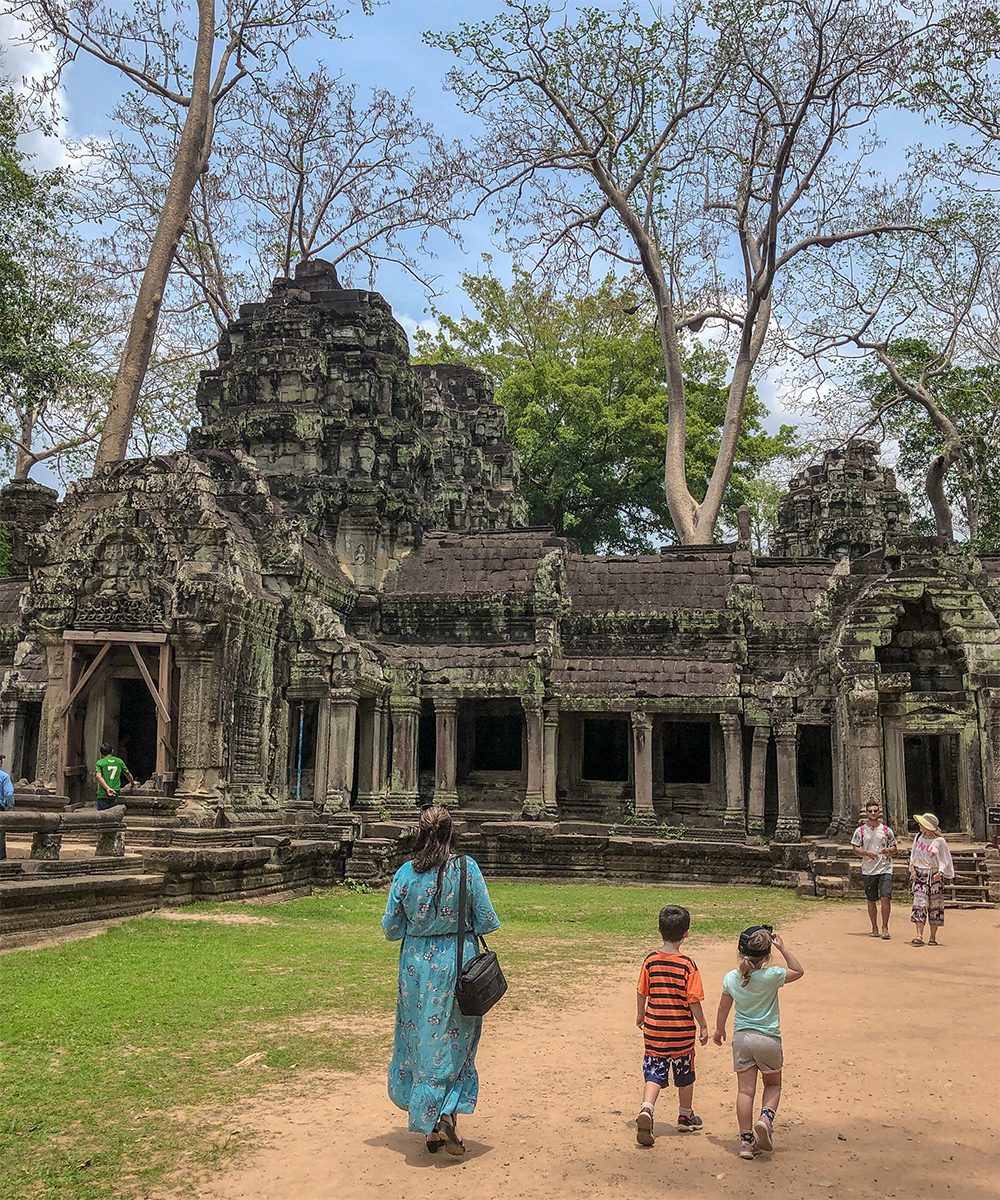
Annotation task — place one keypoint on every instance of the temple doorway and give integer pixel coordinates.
(136, 740)
(931, 766)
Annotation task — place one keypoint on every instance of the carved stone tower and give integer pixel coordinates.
(316, 384)
(844, 506)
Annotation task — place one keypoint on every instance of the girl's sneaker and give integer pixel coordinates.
(762, 1129)
(688, 1122)
(748, 1149)
(644, 1127)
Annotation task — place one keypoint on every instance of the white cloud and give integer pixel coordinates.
(28, 65)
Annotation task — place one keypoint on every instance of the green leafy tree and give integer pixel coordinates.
(582, 380)
(969, 398)
(51, 397)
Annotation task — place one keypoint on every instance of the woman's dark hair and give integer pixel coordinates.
(435, 842)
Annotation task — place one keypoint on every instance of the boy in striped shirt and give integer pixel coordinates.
(669, 1000)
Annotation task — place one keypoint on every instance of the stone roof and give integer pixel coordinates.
(692, 579)
(637, 677)
(484, 563)
(790, 588)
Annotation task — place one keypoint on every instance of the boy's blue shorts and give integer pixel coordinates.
(657, 1070)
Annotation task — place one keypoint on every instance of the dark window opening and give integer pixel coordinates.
(605, 749)
(497, 744)
(137, 729)
(931, 765)
(303, 719)
(427, 737)
(687, 752)
(814, 762)
(25, 765)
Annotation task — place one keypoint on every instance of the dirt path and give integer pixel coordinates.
(865, 1112)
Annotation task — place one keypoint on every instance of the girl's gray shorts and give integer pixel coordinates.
(754, 1049)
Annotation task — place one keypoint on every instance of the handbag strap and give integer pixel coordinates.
(461, 911)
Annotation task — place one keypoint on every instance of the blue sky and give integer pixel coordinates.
(386, 49)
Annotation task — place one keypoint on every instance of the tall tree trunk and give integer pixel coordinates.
(190, 161)
(24, 460)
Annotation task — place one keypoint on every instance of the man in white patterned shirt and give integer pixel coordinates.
(875, 844)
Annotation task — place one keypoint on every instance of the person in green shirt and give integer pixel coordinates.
(111, 772)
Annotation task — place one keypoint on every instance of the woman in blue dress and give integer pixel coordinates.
(432, 1075)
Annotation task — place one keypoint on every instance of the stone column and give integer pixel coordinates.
(8, 719)
(446, 722)
(785, 740)
(758, 780)
(990, 703)
(199, 736)
(550, 759)
(405, 711)
(341, 733)
(371, 756)
(534, 805)
(732, 734)
(642, 761)
(864, 759)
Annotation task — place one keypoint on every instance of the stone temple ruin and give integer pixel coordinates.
(328, 610)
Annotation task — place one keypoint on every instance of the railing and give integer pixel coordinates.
(47, 830)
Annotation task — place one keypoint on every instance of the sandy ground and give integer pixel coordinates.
(892, 1079)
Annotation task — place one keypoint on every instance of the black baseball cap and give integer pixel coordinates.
(747, 934)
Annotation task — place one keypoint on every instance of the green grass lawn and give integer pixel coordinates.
(105, 1042)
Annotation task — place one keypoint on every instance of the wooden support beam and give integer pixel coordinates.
(164, 746)
(160, 706)
(92, 637)
(88, 677)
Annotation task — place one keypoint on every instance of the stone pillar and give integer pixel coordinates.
(9, 710)
(342, 724)
(732, 734)
(199, 736)
(990, 703)
(785, 740)
(642, 762)
(534, 805)
(864, 760)
(446, 725)
(405, 711)
(550, 759)
(758, 780)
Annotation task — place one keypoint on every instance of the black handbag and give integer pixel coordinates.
(480, 982)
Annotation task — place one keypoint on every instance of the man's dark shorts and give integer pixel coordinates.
(657, 1070)
(877, 885)
(104, 802)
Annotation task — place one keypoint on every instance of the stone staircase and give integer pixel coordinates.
(835, 873)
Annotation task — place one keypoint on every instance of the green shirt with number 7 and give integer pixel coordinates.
(112, 770)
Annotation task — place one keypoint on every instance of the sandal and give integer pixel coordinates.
(874, 933)
(433, 1146)
(453, 1144)
(916, 941)
(886, 936)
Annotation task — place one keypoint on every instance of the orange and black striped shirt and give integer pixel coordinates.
(671, 984)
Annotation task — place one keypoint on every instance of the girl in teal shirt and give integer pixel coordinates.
(753, 989)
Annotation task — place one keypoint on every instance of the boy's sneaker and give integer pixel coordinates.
(644, 1127)
(762, 1129)
(688, 1122)
(748, 1149)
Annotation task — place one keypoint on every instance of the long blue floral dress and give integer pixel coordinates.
(433, 1068)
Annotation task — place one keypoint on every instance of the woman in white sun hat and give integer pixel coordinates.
(930, 866)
